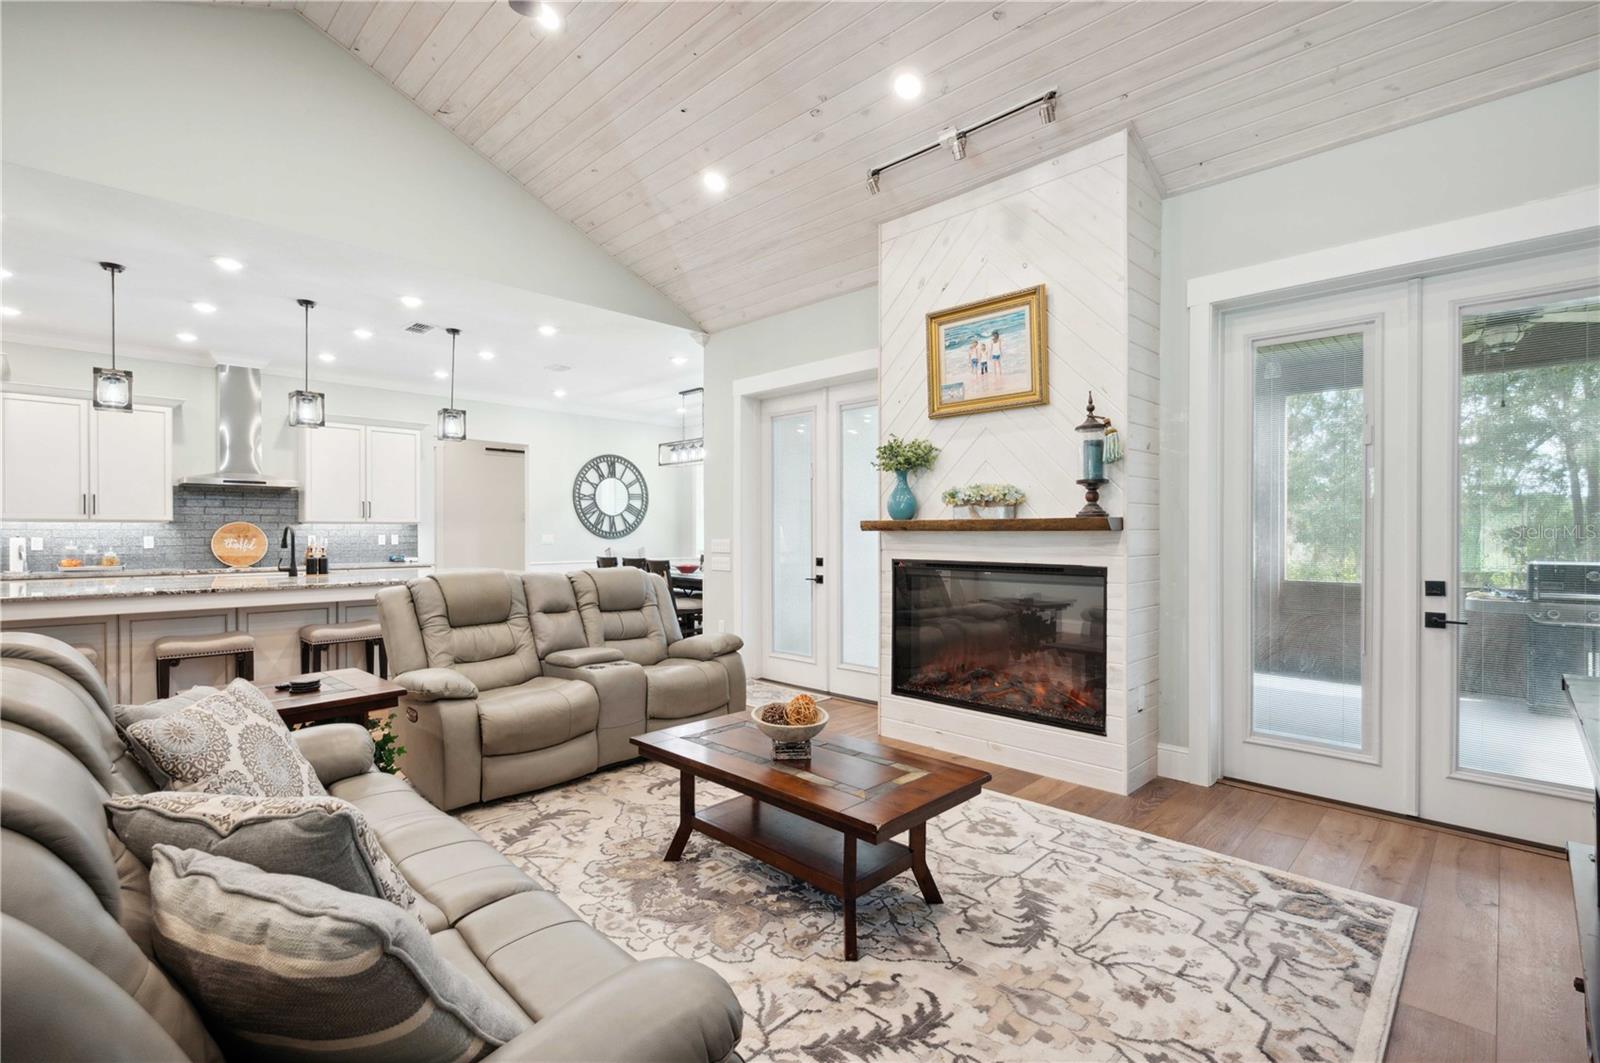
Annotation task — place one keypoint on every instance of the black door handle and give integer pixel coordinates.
(1438, 620)
(814, 579)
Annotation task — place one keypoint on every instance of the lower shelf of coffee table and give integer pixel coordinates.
(809, 851)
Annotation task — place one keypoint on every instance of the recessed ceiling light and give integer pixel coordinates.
(560, 393)
(326, 356)
(679, 359)
(548, 18)
(361, 333)
(557, 367)
(9, 311)
(441, 374)
(908, 86)
(681, 409)
(5, 274)
(714, 182)
(486, 355)
(226, 264)
(410, 302)
(203, 308)
(548, 330)
(187, 337)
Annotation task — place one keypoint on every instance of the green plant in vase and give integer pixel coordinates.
(386, 747)
(904, 457)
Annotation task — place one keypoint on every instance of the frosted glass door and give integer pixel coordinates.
(793, 640)
(853, 553)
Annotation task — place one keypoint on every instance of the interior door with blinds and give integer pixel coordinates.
(1316, 494)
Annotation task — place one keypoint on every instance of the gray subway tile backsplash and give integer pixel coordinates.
(197, 512)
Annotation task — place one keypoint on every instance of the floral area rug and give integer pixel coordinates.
(1060, 937)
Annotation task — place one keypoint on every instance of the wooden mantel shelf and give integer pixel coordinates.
(1012, 524)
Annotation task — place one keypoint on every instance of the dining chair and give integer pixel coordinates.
(605, 562)
(659, 568)
(633, 562)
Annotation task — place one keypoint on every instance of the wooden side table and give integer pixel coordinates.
(347, 694)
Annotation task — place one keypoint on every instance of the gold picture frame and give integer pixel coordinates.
(988, 355)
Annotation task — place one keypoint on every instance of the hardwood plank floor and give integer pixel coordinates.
(1490, 972)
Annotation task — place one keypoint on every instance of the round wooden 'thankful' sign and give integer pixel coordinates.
(239, 544)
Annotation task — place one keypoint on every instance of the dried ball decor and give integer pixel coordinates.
(802, 710)
(790, 725)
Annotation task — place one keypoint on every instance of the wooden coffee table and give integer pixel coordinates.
(826, 821)
(346, 694)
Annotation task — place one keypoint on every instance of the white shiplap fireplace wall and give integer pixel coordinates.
(1086, 225)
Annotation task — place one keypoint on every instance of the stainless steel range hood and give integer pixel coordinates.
(239, 430)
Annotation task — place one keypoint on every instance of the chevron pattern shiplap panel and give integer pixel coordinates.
(1086, 225)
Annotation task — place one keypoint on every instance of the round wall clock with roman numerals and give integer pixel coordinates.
(610, 496)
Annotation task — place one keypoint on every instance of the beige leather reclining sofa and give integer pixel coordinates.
(520, 681)
(78, 979)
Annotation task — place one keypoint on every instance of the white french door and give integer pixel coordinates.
(1317, 572)
(1412, 544)
(819, 569)
(1510, 533)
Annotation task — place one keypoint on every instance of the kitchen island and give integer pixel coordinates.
(121, 616)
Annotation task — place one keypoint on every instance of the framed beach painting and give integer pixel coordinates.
(988, 355)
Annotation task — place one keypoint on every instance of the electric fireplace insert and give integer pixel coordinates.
(1027, 641)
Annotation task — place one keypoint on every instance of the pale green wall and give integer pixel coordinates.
(842, 325)
(252, 112)
(558, 444)
(1534, 145)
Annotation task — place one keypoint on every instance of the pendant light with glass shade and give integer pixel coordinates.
(452, 422)
(113, 388)
(307, 407)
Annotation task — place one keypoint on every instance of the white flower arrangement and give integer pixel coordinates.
(985, 495)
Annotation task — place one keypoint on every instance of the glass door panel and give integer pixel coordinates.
(1528, 477)
(1309, 531)
(858, 555)
(792, 623)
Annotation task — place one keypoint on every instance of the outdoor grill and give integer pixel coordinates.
(1563, 627)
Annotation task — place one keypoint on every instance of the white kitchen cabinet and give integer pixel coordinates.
(130, 464)
(393, 465)
(63, 460)
(356, 474)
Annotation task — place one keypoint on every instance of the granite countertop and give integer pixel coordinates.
(86, 572)
(149, 586)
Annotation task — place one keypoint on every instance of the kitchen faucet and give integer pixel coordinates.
(288, 541)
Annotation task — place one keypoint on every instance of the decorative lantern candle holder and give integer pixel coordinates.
(1093, 430)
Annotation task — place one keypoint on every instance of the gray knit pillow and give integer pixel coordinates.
(295, 969)
(323, 838)
(230, 742)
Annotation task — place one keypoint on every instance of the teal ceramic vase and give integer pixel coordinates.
(902, 503)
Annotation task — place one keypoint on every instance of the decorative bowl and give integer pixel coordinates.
(689, 567)
(784, 732)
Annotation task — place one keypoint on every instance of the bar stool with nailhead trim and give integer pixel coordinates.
(316, 638)
(173, 650)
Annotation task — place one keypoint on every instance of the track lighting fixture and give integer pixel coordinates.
(956, 139)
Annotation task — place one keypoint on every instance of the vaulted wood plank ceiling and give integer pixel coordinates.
(611, 120)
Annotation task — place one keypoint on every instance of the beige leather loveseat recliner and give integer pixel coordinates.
(520, 681)
(79, 979)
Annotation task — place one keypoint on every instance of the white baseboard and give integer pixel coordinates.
(1172, 762)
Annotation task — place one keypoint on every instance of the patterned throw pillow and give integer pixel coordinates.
(323, 838)
(229, 742)
(293, 969)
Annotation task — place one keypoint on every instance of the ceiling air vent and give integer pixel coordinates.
(419, 328)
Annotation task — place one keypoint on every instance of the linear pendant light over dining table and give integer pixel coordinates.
(307, 408)
(452, 422)
(113, 388)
